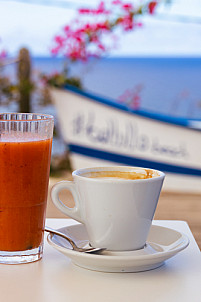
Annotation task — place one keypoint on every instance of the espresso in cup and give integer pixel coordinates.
(145, 174)
(116, 204)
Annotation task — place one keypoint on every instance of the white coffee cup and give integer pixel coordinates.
(117, 212)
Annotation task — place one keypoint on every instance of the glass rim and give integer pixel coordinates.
(46, 117)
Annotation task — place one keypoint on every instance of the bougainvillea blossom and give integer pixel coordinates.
(131, 97)
(3, 54)
(83, 39)
(152, 6)
(101, 9)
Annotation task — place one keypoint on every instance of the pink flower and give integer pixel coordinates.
(59, 40)
(80, 39)
(105, 26)
(66, 28)
(101, 46)
(3, 54)
(132, 98)
(127, 6)
(125, 96)
(152, 6)
(55, 51)
(139, 24)
(135, 104)
(100, 10)
(84, 11)
(127, 22)
(117, 2)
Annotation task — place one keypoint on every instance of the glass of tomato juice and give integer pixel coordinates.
(25, 153)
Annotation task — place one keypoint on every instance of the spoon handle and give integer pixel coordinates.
(55, 232)
(74, 246)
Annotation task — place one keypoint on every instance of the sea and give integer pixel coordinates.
(170, 86)
(164, 85)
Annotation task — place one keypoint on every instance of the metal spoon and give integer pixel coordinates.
(74, 246)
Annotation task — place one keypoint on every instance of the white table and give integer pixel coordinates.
(55, 278)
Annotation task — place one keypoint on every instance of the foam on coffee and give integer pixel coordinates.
(133, 175)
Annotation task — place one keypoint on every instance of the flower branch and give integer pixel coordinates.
(88, 35)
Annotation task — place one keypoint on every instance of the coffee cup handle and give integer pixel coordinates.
(71, 212)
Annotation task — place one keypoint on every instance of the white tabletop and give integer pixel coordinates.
(55, 278)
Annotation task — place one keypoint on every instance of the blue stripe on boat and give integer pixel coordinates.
(133, 161)
(189, 123)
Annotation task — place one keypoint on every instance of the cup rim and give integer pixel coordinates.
(45, 117)
(79, 173)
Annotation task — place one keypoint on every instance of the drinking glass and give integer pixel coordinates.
(25, 153)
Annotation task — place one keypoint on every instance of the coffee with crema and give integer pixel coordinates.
(133, 175)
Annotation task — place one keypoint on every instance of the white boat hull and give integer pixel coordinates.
(101, 132)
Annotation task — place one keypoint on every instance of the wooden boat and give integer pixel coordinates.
(99, 131)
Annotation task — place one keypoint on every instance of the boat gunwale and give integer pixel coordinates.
(178, 121)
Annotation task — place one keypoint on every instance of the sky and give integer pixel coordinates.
(174, 31)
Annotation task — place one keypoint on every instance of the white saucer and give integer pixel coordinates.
(162, 244)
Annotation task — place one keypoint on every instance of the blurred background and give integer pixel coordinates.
(161, 58)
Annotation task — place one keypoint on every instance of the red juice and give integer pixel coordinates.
(24, 178)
